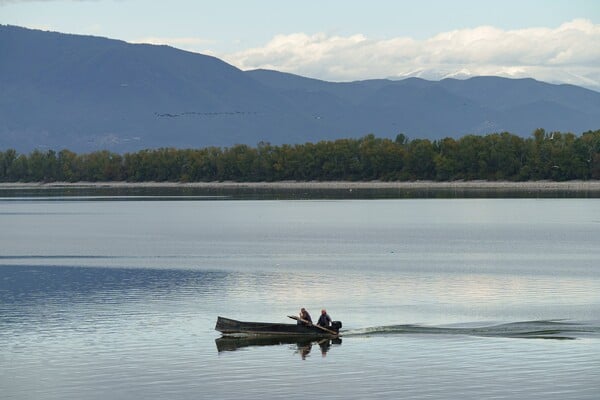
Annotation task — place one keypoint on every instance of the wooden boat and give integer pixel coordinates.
(239, 328)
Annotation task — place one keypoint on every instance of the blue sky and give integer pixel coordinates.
(551, 40)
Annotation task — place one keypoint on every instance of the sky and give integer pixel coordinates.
(556, 41)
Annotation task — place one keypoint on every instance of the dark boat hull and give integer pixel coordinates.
(239, 328)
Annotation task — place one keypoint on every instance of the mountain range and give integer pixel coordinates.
(86, 93)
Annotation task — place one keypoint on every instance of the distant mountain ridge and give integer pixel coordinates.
(87, 93)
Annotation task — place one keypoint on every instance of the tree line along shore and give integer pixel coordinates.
(548, 156)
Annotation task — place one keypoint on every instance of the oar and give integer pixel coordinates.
(316, 326)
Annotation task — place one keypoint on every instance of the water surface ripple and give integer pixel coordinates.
(440, 299)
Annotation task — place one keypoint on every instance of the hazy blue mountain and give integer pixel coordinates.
(434, 109)
(87, 93)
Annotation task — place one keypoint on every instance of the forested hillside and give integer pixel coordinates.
(504, 156)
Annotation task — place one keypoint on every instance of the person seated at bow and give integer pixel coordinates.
(305, 316)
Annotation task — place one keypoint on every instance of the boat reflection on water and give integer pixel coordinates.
(303, 346)
(324, 346)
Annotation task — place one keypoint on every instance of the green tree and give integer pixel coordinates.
(7, 159)
(420, 162)
(43, 166)
(446, 159)
(69, 166)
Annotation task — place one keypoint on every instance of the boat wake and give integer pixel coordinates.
(546, 329)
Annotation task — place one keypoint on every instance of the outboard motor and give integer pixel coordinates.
(336, 325)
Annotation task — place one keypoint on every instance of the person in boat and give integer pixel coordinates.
(305, 316)
(324, 319)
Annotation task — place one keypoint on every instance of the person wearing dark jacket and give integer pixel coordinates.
(305, 316)
(324, 319)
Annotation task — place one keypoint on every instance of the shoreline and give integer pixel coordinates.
(542, 186)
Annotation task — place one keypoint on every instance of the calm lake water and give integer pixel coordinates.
(117, 297)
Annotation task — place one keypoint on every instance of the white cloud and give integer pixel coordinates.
(567, 54)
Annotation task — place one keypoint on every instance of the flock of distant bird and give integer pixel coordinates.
(205, 114)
